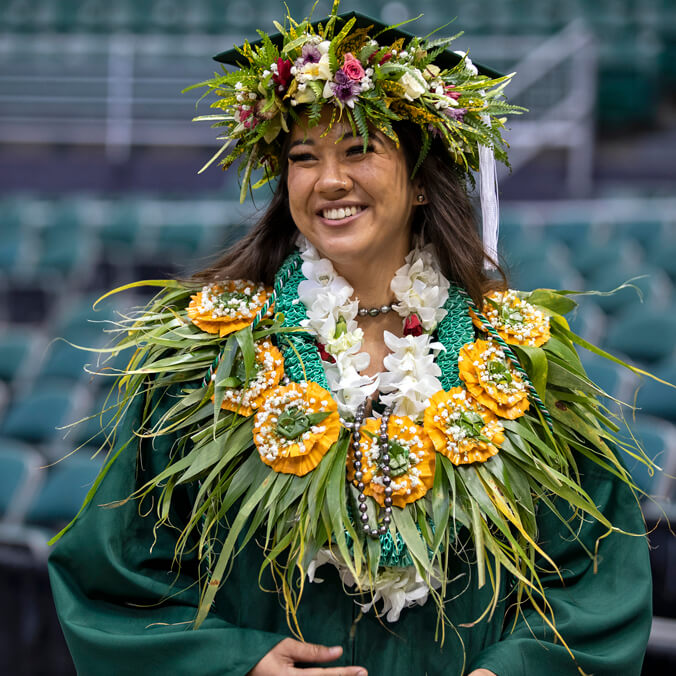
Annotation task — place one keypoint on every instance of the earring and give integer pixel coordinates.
(420, 198)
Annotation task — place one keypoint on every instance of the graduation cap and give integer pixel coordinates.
(447, 59)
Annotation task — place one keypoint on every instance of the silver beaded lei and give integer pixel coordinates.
(374, 311)
(384, 464)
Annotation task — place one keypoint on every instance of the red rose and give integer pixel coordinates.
(324, 354)
(413, 326)
(282, 78)
(352, 67)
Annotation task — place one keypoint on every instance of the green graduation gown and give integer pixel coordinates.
(125, 610)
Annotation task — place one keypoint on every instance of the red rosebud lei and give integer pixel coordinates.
(282, 78)
(324, 354)
(413, 326)
(352, 67)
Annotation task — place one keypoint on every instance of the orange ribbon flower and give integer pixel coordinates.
(227, 306)
(270, 365)
(516, 321)
(492, 380)
(461, 428)
(412, 461)
(295, 427)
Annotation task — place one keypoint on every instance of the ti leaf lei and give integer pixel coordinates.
(491, 503)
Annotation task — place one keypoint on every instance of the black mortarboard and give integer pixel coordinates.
(446, 59)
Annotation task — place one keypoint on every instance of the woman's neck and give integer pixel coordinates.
(371, 278)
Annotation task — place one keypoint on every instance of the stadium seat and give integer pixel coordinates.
(17, 346)
(658, 440)
(656, 399)
(63, 491)
(34, 416)
(20, 478)
(651, 283)
(645, 334)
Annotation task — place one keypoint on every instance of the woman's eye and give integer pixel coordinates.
(301, 157)
(359, 149)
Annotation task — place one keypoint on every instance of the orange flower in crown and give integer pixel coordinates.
(411, 461)
(516, 321)
(269, 369)
(461, 428)
(227, 306)
(492, 380)
(295, 426)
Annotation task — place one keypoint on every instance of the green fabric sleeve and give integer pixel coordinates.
(604, 615)
(123, 608)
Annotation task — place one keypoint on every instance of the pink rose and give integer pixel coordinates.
(352, 67)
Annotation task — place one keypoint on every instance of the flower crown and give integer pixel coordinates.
(369, 84)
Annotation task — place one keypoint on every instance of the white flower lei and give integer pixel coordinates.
(410, 379)
(411, 375)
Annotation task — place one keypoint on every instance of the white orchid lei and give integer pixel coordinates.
(411, 375)
(410, 379)
(369, 84)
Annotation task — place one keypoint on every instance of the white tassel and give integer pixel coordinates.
(490, 210)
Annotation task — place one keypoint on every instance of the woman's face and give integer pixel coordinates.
(352, 206)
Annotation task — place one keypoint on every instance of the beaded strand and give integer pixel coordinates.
(383, 442)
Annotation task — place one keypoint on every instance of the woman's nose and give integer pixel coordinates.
(333, 178)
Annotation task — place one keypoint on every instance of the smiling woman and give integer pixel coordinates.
(348, 392)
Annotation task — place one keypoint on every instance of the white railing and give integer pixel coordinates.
(121, 91)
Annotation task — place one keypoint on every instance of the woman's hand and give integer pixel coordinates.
(482, 672)
(281, 661)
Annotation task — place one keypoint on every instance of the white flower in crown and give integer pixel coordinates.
(421, 288)
(412, 375)
(413, 84)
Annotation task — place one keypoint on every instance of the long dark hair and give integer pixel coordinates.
(447, 222)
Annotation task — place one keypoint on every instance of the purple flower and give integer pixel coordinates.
(456, 113)
(310, 54)
(344, 88)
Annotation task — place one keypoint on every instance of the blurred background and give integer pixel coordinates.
(99, 187)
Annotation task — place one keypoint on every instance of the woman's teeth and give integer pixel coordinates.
(342, 212)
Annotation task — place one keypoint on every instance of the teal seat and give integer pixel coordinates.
(16, 346)
(64, 361)
(613, 276)
(35, 416)
(645, 334)
(574, 234)
(20, 478)
(656, 399)
(63, 491)
(592, 259)
(658, 440)
(80, 323)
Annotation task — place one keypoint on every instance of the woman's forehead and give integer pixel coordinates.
(325, 132)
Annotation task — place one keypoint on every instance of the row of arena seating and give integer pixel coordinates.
(219, 16)
(636, 38)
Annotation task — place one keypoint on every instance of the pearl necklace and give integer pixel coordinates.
(374, 311)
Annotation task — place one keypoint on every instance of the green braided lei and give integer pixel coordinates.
(490, 504)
